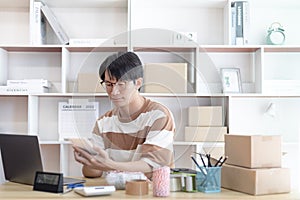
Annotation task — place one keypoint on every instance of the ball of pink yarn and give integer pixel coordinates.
(161, 181)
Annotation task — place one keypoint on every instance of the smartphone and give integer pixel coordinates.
(85, 144)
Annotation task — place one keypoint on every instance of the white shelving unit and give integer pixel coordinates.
(148, 27)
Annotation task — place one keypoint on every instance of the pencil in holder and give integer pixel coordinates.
(208, 180)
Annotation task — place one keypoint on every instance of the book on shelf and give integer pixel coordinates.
(76, 118)
(91, 42)
(246, 21)
(55, 25)
(240, 16)
(29, 82)
(233, 23)
(22, 90)
(38, 25)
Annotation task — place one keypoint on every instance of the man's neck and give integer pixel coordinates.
(130, 112)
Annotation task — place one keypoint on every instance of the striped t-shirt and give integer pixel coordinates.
(148, 136)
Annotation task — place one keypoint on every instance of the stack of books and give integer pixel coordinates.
(25, 86)
(240, 22)
(42, 16)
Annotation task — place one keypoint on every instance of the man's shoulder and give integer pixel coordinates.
(154, 105)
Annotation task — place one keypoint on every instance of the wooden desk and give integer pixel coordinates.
(10, 191)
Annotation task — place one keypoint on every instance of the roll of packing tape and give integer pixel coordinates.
(136, 187)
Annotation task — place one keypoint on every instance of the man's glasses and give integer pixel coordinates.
(108, 86)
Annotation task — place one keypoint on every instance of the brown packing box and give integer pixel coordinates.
(205, 134)
(256, 181)
(89, 82)
(165, 78)
(253, 151)
(205, 116)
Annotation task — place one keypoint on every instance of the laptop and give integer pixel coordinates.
(21, 159)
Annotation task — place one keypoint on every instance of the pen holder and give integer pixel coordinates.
(208, 180)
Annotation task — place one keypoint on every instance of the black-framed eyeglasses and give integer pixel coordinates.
(108, 86)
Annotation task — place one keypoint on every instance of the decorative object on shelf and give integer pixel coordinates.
(231, 80)
(271, 110)
(276, 34)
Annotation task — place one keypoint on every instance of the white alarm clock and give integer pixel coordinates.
(276, 34)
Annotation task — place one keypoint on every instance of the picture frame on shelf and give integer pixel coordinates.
(231, 80)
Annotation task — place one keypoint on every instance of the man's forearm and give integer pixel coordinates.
(133, 166)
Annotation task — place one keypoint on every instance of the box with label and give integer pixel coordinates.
(205, 134)
(253, 151)
(256, 181)
(89, 82)
(205, 116)
(165, 78)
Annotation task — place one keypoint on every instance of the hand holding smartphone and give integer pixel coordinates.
(85, 144)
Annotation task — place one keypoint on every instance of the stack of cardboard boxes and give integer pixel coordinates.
(165, 78)
(254, 165)
(205, 124)
(89, 83)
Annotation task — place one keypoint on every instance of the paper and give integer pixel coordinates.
(77, 118)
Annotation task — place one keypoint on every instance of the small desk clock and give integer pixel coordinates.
(276, 34)
(48, 182)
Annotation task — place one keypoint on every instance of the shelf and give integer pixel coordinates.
(215, 144)
(229, 48)
(282, 48)
(113, 48)
(86, 3)
(29, 48)
(53, 142)
(165, 48)
(183, 4)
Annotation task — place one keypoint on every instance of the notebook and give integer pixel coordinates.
(21, 158)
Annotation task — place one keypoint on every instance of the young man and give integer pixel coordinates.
(137, 134)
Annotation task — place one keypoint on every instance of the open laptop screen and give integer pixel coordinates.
(21, 157)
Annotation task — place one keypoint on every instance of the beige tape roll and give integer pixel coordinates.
(136, 187)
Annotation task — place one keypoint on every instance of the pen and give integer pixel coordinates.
(223, 161)
(197, 165)
(208, 160)
(204, 165)
(202, 160)
(218, 161)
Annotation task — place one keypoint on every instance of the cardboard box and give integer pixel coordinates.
(89, 83)
(205, 116)
(165, 78)
(253, 151)
(256, 181)
(205, 134)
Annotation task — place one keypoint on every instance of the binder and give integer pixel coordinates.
(239, 40)
(55, 25)
(38, 26)
(241, 22)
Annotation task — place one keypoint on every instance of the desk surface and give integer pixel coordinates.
(19, 191)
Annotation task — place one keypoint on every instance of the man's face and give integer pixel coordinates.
(119, 92)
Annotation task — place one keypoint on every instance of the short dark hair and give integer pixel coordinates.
(122, 66)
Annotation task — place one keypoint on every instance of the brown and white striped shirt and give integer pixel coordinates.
(149, 136)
